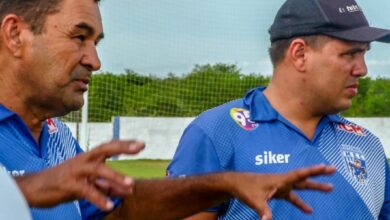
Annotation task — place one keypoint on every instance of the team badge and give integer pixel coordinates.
(52, 127)
(356, 163)
(242, 118)
(351, 128)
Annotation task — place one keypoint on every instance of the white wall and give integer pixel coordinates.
(98, 133)
(161, 135)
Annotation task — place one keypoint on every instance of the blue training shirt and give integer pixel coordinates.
(249, 135)
(20, 154)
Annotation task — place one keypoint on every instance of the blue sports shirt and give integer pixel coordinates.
(249, 135)
(20, 154)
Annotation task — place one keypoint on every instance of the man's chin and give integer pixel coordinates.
(344, 107)
(336, 108)
(74, 105)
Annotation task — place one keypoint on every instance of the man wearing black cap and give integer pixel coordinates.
(317, 50)
(48, 53)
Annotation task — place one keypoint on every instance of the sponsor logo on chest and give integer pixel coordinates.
(270, 158)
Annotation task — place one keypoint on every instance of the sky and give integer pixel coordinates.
(171, 36)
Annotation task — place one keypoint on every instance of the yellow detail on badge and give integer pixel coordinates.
(242, 118)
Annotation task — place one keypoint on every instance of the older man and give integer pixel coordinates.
(317, 49)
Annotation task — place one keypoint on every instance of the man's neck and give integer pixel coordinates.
(294, 108)
(14, 95)
(28, 114)
(35, 125)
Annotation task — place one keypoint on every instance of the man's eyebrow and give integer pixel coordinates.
(89, 30)
(359, 49)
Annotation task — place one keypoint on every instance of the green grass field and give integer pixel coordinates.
(140, 168)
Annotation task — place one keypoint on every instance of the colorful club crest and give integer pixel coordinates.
(242, 118)
(355, 163)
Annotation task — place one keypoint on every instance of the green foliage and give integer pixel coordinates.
(132, 94)
(373, 99)
(206, 86)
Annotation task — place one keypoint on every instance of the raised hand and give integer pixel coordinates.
(81, 178)
(257, 189)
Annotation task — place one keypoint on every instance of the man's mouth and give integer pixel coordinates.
(82, 83)
(353, 89)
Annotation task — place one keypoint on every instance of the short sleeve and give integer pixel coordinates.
(195, 155)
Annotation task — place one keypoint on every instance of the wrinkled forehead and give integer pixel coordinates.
(73, 12)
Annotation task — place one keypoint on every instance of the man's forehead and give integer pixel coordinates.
(83, 15)
(360, 45)
(350, 44)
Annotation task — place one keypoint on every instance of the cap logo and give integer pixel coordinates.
(350, 9)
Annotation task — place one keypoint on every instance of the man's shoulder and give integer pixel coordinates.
(351, 133)
(353, 126)
(218, 115)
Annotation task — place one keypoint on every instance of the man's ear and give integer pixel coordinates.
(297, 53)
(12, 28)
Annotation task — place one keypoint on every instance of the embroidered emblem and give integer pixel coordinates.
(356, 163)
(242, 118)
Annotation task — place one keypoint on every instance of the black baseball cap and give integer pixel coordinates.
(342, 19)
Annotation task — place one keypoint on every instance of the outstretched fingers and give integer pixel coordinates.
(109, 177)
(113, 189)
(304, 173)
(298, 179)
(95, 183)
(93, 195)
(313, 185)
(114, 148)
(298, 202)
(95, 179)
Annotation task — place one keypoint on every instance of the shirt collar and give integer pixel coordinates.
(261, 109)
(5, 113)
(336, 119)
